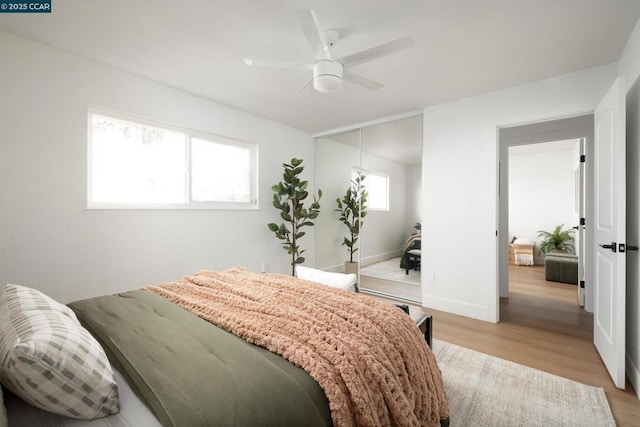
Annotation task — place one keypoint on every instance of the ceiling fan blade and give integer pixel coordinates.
(361, 80)
(308, 23)
(308, 82)
(384, 49)
(277, 64)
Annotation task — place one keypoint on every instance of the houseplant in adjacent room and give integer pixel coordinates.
(289, 198)
(558, 240)
(352, 208)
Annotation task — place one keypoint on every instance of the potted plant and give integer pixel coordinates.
(288, 197)
(352, 208)
(558, 240)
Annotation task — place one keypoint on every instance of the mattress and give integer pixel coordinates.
(133, 412)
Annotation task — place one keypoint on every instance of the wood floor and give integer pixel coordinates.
(541, 326)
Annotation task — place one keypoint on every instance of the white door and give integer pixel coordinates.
(580, 240)
(610, 205)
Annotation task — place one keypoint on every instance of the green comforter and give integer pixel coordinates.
(192, 373)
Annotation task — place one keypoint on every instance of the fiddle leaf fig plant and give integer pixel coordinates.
(352, 208)
(289, 196)
(556, 240)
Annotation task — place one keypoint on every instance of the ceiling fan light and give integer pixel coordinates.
(327, 83)
(327, 76)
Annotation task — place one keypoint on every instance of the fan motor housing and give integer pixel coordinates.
(327, 75)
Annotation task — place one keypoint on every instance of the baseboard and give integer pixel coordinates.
(380, 257)
(474, 311)
(633, 373)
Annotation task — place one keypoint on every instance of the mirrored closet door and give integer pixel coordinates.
(337, 157)
(389, 156)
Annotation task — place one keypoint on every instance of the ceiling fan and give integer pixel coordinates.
(328, 72)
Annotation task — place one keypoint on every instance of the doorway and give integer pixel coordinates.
(533, 135)
(544, 197)
(545, 201)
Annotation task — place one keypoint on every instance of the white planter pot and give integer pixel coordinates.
(351, 267)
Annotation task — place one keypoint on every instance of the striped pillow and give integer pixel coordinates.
(51, 361)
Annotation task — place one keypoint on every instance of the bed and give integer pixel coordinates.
(229, 348)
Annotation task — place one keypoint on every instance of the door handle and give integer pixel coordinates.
(612, 246)
(632, 248)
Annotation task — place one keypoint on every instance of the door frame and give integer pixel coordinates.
(581, 247)
(556, 129)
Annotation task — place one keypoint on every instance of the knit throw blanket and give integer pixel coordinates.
(368, 356)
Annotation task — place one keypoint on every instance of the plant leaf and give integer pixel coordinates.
(273, 227)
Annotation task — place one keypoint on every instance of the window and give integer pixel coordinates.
(136, 163)
(377, 187)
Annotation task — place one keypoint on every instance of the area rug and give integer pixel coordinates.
(483, 390)
(390, 270)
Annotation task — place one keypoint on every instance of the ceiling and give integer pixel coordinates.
(398, 140)
(462, 48)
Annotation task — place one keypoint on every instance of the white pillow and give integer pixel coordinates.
(49, 360)
(335, 280)
(3, 412)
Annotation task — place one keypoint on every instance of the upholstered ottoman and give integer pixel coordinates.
(561, 268)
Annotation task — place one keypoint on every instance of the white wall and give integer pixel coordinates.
(629, 66)
(48, 240)
(460, 183)
(541, 191)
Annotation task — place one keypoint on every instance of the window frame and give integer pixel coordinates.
(189, 204)
(367, 173)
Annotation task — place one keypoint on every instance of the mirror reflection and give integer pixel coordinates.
(388, 246)
(337, 157)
